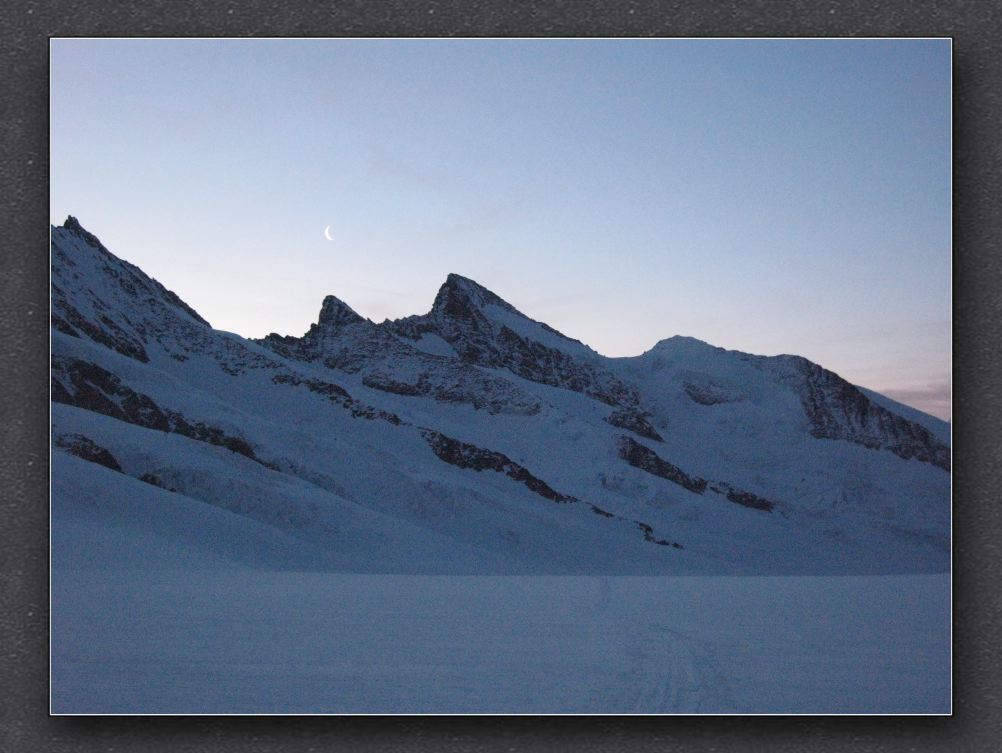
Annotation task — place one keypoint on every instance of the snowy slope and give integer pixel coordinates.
(296, 642)
(470, 439)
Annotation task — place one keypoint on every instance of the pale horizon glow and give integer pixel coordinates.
(769, 196)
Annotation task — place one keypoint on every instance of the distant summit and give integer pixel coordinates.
(335, 313)
(459, 295)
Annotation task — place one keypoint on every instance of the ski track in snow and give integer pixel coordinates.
(253, 641)
(670, 671)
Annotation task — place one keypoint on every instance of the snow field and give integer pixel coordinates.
(217, 641)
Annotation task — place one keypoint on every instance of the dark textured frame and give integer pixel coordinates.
(977, 33)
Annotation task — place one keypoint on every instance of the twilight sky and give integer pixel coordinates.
(770, 196)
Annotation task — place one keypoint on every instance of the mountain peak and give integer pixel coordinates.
(335, 313)
(679, 343)
(681, 340)
(459, 295)
(467, 285)
(73, 225)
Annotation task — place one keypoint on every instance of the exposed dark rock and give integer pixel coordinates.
(176, 300)
(83, 447)
(836, 409)
(63, 326)
(339, 396)
(633, 421)
(706, 394)
(539, 363)
(73, 224)
(649, 536)
(59, 393)
(132, 279)
(450, 382)
(465, 455)
(335, 339)
(747, 499)
(335, 314)
(110, 335)
(327, 389)
(342, 340)
(154, 480)
(285, 345)
(457, 318)
(87, 385)
(647, 460)
(380, 381)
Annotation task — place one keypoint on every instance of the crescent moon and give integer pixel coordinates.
(327, 233)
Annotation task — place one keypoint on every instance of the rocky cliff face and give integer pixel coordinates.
(486, 331)
(94, 316)
(839, 410)
(343, 341)
(329, 433)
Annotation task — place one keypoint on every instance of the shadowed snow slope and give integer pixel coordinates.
(295, 642)
(471, 439)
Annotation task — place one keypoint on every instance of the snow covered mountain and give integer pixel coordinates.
(471, 439)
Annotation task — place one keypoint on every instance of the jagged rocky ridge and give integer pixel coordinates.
(342, 413)
(839, 410)
(344, 341)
